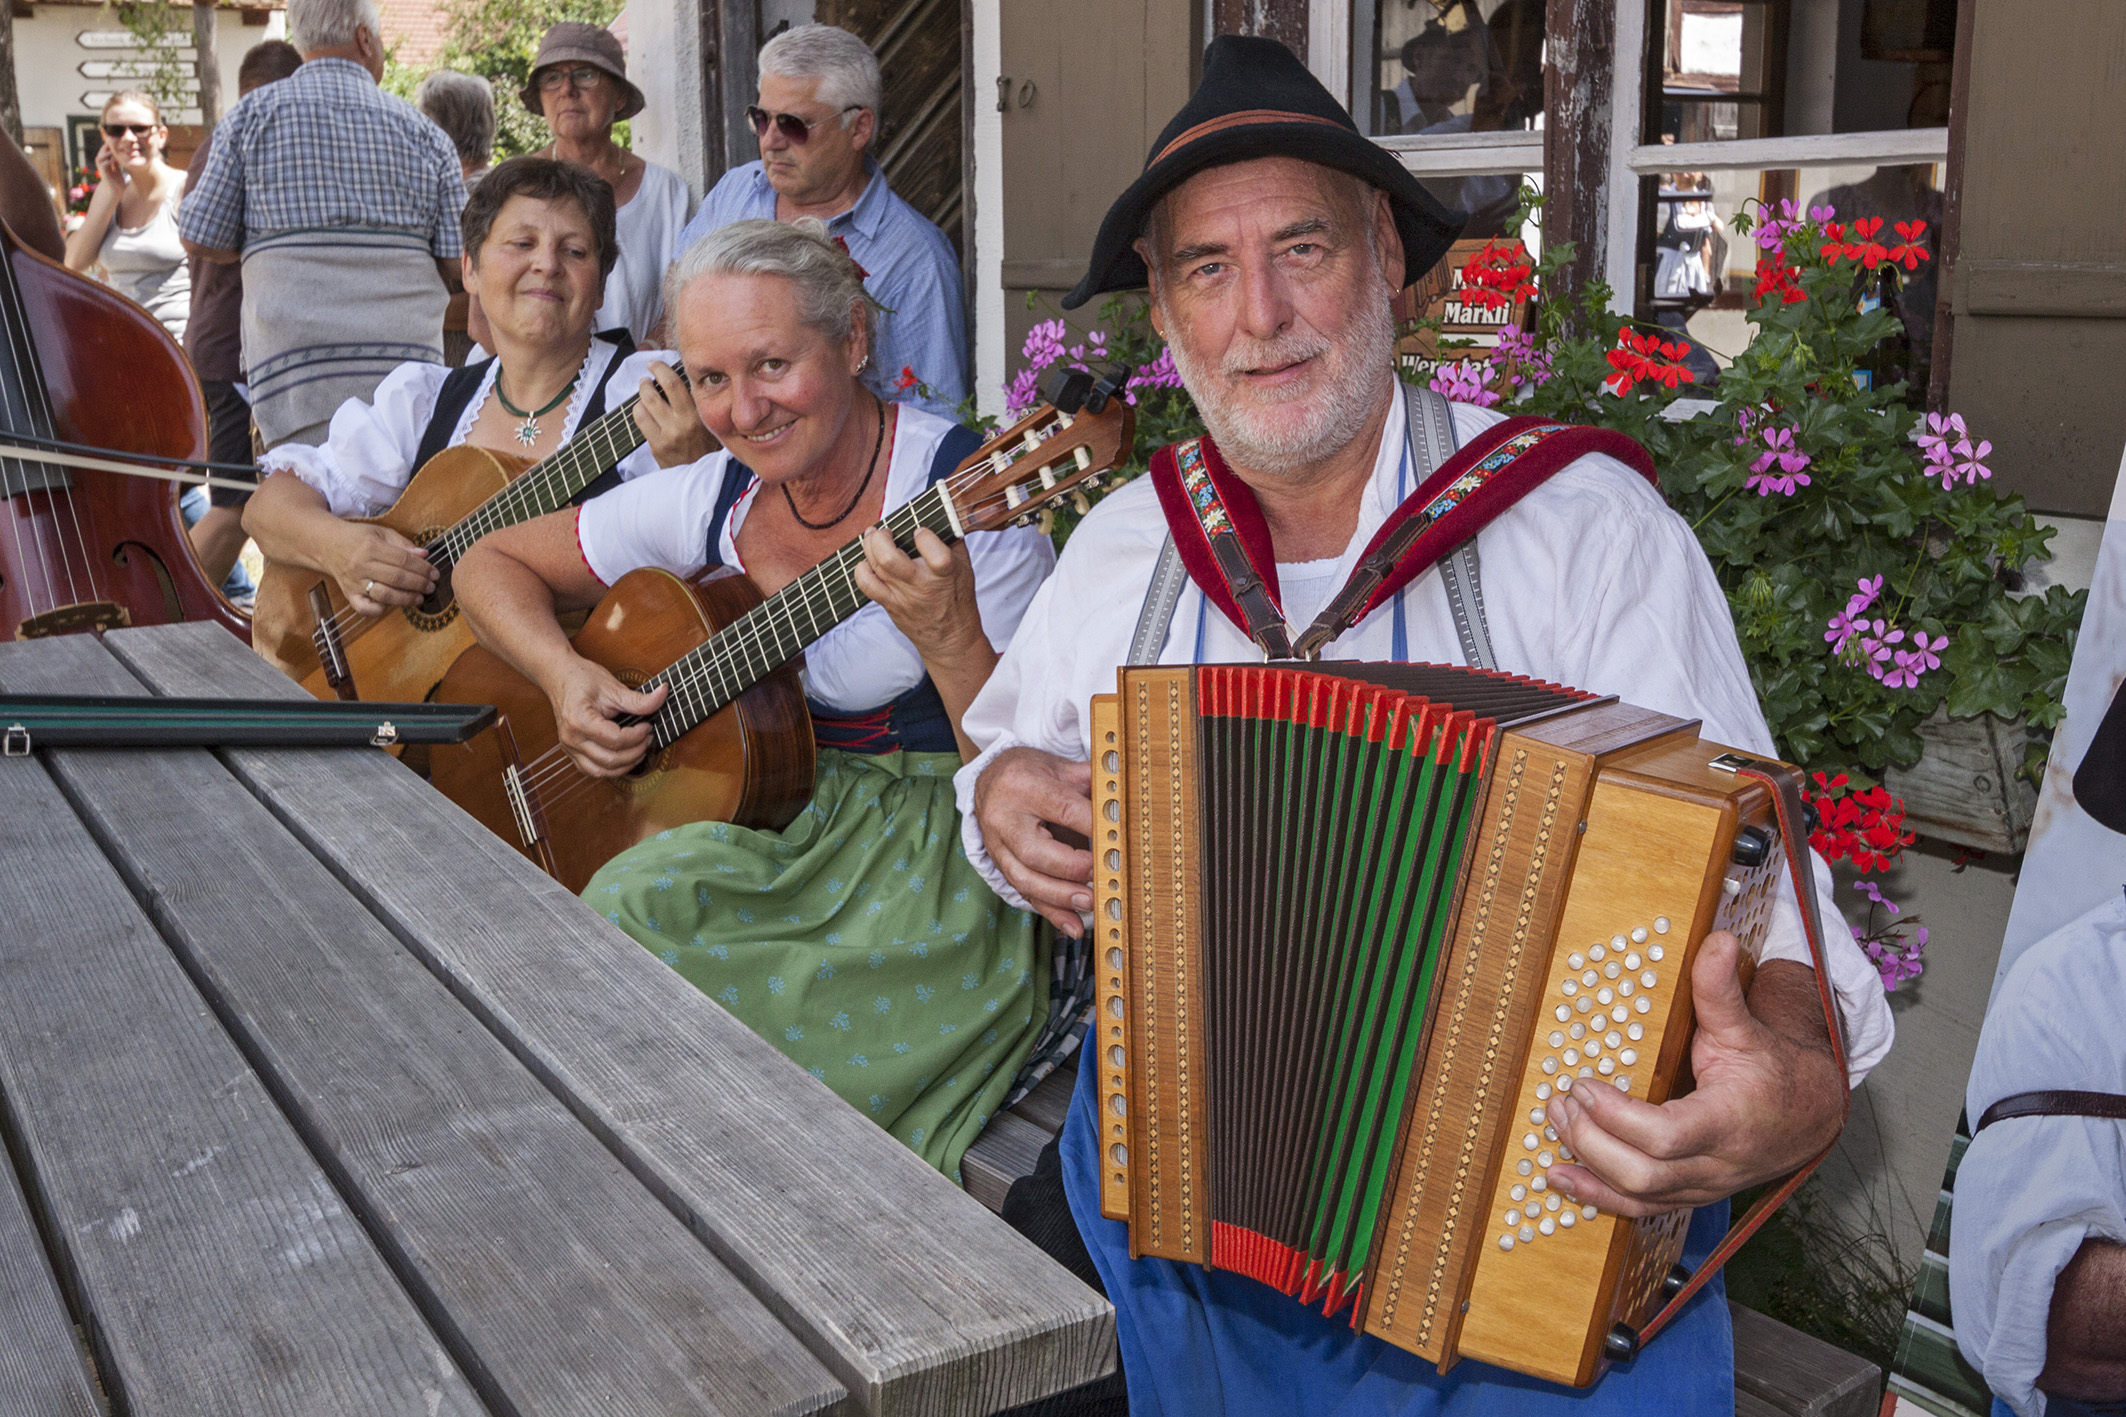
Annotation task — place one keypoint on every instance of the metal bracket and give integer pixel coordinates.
(15, 742)
(386, 734)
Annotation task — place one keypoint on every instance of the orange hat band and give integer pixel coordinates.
(1246, 118)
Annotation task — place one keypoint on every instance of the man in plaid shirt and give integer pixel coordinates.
(342, 202)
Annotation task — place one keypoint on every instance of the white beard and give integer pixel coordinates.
(1305, 427)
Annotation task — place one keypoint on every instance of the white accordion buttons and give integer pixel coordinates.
(1660, 927)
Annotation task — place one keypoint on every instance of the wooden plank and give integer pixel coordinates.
(1790, 1372)
(1006, 1150)
(215, 1267)
(41, 1369)
(1013, 1141)
(2060, 290)
(561, 1283)
(1883, 147)
(912, 1293)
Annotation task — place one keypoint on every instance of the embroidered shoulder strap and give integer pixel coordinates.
(1219, 531)
(1221, 537)
(1468, 492)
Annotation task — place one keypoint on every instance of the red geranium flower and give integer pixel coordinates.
(1646, 357)
(1908, 252)
(907, 379)
(1498, 276)
(1866, 828)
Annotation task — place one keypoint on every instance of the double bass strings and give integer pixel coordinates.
(28, 402)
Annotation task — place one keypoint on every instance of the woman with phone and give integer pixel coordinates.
(131, 225)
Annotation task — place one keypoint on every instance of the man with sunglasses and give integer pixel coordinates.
(817, 116)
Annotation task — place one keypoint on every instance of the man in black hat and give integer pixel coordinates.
(1273, 237)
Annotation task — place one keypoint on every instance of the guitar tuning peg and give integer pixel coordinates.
(1066, 388)
(1108, 385)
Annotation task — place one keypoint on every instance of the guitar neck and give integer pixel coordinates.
(547, 487)
(777, 630)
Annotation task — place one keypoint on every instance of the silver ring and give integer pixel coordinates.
(367, 586)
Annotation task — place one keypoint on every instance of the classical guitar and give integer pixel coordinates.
(304, 627)
(733, 741)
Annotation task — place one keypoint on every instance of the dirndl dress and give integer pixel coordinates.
(858, 940)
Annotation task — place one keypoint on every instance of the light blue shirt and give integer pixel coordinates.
(910, 270)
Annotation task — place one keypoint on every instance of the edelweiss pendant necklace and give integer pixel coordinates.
(528, 430)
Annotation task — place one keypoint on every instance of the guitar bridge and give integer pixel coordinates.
(325, 638)
(520, 805)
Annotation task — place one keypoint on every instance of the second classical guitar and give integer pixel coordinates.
(733, 741)
(304, 628)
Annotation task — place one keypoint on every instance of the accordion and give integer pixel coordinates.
(1356, 925)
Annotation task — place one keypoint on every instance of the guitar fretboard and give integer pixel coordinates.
(777, 630)
(548, 486)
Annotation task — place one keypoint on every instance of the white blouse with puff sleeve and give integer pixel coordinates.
(367, 458)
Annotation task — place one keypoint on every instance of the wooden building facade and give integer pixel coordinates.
(1648, 123)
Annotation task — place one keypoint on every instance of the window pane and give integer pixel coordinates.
(1704, 273)
(1448, 66)
(1777, 68)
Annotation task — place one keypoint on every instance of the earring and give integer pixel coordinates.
(865, 363)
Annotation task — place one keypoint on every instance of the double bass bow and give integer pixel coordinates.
(85, 549)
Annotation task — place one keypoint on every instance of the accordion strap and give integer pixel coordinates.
(1785, 783)
(2110, 1106)
(1219, 530)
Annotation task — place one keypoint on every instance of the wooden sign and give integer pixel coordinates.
(1437, 296)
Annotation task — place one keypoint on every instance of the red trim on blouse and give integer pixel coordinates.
(578, 525)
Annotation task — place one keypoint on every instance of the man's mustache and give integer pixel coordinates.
(1275, 354)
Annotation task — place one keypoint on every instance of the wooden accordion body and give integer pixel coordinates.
(1356, 924)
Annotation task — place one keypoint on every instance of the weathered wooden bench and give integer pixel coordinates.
(319, 1099)
(1779, 1371)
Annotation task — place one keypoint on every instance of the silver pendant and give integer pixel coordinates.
(528, 431)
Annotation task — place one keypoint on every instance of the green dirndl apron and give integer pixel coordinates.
(858, 940)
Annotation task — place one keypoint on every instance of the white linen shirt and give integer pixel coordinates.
(645, 230)
(663, 520)
(2030, 1190)
(1589, 581)
(367, 457)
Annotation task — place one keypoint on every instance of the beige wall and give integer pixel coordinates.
(2039, 287)
(1106, 76)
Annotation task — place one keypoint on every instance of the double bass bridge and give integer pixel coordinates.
(80, 618)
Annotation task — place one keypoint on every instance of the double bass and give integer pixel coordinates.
(84, 550)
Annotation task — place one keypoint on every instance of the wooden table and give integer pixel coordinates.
(319, 1099)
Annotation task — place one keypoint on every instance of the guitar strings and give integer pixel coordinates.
(545, 487)
(713, 674)
(716, 672)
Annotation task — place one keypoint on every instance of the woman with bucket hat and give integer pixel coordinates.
(579, 85)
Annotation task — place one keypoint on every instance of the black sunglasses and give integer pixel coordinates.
(796, 129)
(119, 130)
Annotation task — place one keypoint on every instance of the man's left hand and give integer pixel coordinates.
(1769, 1097)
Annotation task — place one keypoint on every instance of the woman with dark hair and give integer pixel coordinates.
(538, 249)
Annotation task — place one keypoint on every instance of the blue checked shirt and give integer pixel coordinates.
(910, 269)
(325, 147)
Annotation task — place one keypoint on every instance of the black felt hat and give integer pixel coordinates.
(1258, 100)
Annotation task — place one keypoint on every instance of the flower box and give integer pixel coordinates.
(1966, 788)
